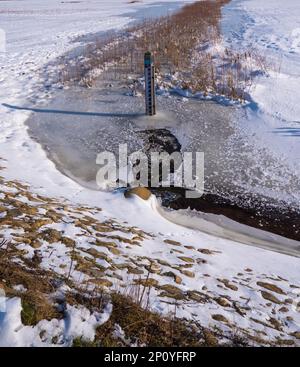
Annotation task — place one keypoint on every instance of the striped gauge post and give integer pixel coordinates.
(149, 85)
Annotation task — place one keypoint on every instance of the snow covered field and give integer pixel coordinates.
(272, 28)
(38, 32)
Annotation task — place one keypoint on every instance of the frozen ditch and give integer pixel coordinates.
(79, 123)
(76, 124)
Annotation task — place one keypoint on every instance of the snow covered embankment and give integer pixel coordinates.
(273, 29)
(61, 255)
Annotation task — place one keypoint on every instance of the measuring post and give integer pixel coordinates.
(149, 84)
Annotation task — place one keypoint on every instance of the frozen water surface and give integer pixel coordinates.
(79, 123)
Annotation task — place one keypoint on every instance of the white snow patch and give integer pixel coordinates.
(79, 322)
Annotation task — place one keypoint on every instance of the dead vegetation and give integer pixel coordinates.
(36, 283)
(185, 47)
(144, 328)
(137, 325)
(103, 264)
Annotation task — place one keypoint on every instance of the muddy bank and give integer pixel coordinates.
(283, 221)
